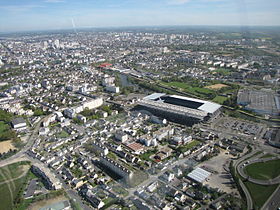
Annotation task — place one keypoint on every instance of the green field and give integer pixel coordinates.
(3, 127)
(189, 89)
(146, 156)
(268, 156)
(188, 146)
(12, 171)
(62, 134)
(222, 71)
(259, 193)
(9, 191)
(6, 133)
(7, 197)
(220, 99)
(264, 171)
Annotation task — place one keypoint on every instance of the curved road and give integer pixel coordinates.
(240, 169)
(20, 155)
(273, 201)
(249, 200)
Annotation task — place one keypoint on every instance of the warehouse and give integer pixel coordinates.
(179, 109)
(260, 101)
(199, 175)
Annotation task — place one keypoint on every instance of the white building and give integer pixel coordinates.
(113, 89)
(121, 136)
(19, 124)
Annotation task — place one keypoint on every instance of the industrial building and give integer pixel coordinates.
(273, 137)
(260, 101)
(199, 175)
(179, 109)
(19, 124)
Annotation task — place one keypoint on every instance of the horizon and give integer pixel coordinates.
(209, 27)
(31, 15)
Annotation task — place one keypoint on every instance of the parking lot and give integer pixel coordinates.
(219, 178)
(241, 127)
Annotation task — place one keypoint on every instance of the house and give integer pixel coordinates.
(76, 183)
(217, 205)
(180, 197)
(95, 201)
(163, 133)
(121, 136)
(168, 176)
(177, 171)
(148, 140)
(44, 131)
(163, 153)
(82, 118)
(152, 187)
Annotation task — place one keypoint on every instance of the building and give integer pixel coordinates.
(121, 136)
(94, 103)
(113, 89)
(136, 147)
(49, 182)
(93, 199)
(199, 175)
(148, 140)
(273, 137)
(100, 148)
(19, 124)
(116, 167)
(179, 109)
(165, 132)
(264, 102)
(163, 153)
(91, 104)
(108, 81)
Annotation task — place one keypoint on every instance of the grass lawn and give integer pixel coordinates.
(6, 196)
(264, 171)
(189, 146)
(188, 88)
(146, 155)
(120, 191)
(9, 191)
(223, 71)
(12, 171)
(3, 126)
(109, 202)
(6, 133)
(220, 99)
(62, 134)
(259, 193)
(267, 156)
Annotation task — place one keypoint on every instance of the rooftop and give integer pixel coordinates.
(199, 175)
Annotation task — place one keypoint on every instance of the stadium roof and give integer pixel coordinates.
(206, 105)
(154, 96)
(203, 107)
(199, 175)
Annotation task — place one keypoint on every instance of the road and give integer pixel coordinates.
(249, 200)
(273, 202)
(255, 159)
(23, 156)
(153, 178)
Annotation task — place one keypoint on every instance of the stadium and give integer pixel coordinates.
(179, 109)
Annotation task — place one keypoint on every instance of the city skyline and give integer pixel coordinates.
(65, 14)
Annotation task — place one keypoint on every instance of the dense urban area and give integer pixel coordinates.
(140, 118)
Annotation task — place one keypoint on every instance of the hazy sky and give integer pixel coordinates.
(18, 15)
